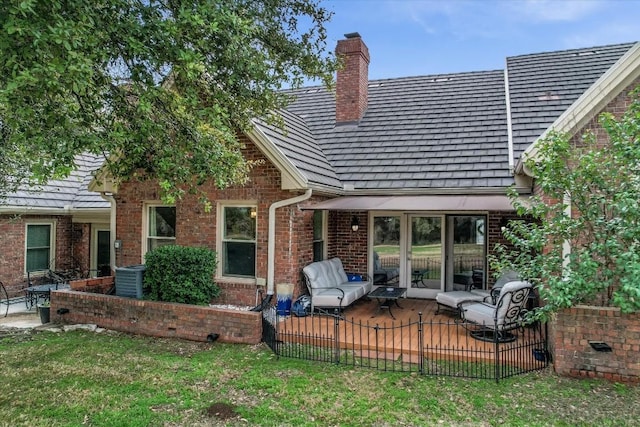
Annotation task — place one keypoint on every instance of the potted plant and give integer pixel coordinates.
(44, 309)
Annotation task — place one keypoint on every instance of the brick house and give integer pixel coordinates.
(406, 175)
(61, 226)
(574, 330)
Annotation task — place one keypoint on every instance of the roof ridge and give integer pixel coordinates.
(573, 50)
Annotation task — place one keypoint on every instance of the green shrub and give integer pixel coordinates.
(181, 274)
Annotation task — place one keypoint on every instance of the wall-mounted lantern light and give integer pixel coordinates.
(355, 223)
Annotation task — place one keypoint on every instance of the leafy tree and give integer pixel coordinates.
(601, 183)
(162, 86)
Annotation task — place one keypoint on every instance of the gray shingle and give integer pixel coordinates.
(542, 86)
(417, 125)
(71, 192)
(417, 129)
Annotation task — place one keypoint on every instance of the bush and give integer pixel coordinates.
(181, 274)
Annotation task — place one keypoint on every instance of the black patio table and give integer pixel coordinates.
(37, 292)
(387, 296)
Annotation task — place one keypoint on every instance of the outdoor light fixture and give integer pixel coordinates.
(355, 223)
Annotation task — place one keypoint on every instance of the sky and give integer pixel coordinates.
(423, 37)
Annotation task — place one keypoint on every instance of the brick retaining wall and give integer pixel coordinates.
(576, 327)
(157, 319)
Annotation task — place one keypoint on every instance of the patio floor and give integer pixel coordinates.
(370, 332)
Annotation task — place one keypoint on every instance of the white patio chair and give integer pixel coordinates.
(493, 322)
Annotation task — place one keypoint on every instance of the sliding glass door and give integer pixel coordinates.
(425, 251)
(467, 246)
(428, 254)
(386, 250)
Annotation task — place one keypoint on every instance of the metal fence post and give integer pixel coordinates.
(336, 334)
(420, 344)
(496, 341)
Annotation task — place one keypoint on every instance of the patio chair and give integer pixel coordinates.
(493, 293)
(494, 322)
(381, 275)
(451, 300)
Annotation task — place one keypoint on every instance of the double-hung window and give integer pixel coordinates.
(238, 241)
(39, 247)
(318, 235)
(161, 226)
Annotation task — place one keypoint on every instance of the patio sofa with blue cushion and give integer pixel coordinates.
(329, 285)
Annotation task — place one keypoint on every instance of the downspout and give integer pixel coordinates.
(566, 246)
(112, 228)
(271, 257)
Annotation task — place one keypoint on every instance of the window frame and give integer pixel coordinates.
(323, 232)
(52, 244)
(221, 240)
(145, 225)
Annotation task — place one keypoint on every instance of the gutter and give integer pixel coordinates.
(112, 228)
(272, 236)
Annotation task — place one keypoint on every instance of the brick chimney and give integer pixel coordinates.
(352, 79)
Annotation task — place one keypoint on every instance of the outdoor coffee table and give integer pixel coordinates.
(387, 296)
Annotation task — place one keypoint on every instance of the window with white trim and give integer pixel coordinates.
(238, 255)
(39, 247)
(161, 226)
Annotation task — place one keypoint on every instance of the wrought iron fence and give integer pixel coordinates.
(439, 348)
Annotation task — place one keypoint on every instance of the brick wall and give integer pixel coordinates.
(495, 222)
(12, 259)
(574, 328)
(156, 319)
(81, 241)
(348, 245)
(195, 227)
(12, 230)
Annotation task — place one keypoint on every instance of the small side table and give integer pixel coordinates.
(387, 296)
(417, 278)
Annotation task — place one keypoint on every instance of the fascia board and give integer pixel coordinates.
(102, 181)
(291, 177)
(29, 210)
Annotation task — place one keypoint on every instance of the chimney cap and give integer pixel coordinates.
(352, 35)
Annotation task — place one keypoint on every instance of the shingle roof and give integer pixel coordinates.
(299, 146)
(543, 85)
(443, 133)
(71, 192)
(421, 132)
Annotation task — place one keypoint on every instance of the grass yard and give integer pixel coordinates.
(106, 379)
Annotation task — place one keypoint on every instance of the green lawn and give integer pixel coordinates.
(84, 378)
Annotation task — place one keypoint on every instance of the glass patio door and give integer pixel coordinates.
(386, 236)
(467, 261)
(424, 268)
